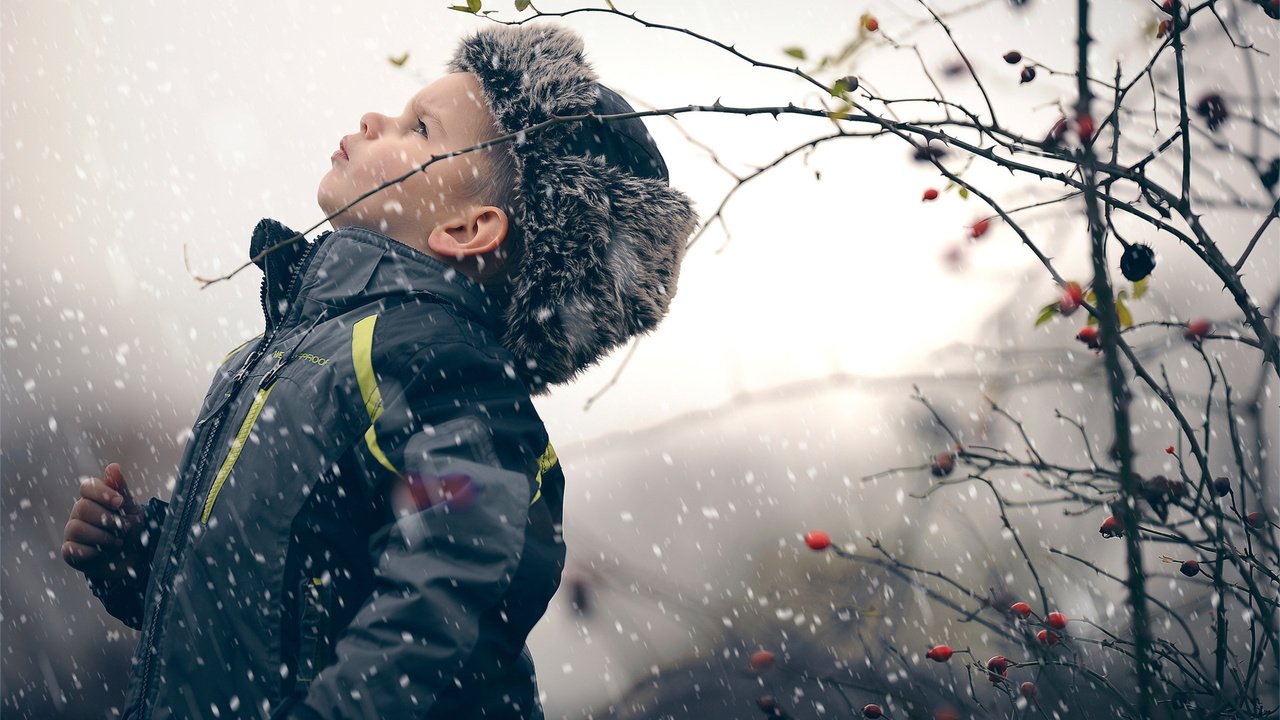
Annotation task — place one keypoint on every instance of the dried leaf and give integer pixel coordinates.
(1046, 313)
(1140, 287)
(1122, 314)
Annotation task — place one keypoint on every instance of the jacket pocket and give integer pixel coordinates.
(315, 619)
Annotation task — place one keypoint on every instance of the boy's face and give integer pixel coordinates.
(426, 211)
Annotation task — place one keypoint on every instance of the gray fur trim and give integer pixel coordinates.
(602, 245)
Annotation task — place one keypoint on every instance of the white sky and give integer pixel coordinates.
(131, 130)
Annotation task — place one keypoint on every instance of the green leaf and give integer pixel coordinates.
(462, 8)
(964, 193)
(1093, 320)
(1140, 287)
(474, 5)
(399, 61)
(1046, 313)
(1091, 297)
(1122, 295)
(1122, 314)
(795, 52)
(522, 5)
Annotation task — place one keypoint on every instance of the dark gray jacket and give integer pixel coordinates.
(283, 583)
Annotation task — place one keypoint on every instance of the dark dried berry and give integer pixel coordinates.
(1221, 486)
(928, 153)
(1271, 175)
(1213, 109)
(1028, 74)
(1190, 568)
(1270, 7)
(1013, 57)
(849, 82)
(1137, 262)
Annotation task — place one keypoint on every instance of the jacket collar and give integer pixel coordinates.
(355, 266)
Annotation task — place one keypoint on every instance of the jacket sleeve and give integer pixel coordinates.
(124, 598)
(451, 453)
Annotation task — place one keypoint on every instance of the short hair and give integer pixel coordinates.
(493, 181)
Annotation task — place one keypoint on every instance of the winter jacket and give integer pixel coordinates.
(283, 583)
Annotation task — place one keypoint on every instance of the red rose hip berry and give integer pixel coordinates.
(1089, 336)
(1020, 609)
(761, 660)
(997, 668)
(940, 653)
(817, 540)
(979, 228)
(1198, 330)
(1085, 127)
(942, 464)
(1047, 637)
(1072, 296)
(930, 194)
(1112, 527)
(1057, 620)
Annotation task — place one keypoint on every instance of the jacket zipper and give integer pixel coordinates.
(237, 445)
(189, 503)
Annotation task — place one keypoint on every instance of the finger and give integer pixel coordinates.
(103, 517)
(98, 491)
(81, 532)
(79, 556)
(114, 479)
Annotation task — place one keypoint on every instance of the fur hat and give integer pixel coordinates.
(603, 233)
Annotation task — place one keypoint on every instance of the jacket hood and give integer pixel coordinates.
(354, 266)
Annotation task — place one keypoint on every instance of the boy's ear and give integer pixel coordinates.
(476, 231)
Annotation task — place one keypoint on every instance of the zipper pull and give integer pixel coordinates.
(248, 363)
(271, 375)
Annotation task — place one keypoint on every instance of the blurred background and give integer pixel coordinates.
(141, 142)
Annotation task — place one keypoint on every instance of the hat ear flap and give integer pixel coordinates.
(602, 252)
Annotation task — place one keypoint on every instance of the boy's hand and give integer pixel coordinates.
(102, 538)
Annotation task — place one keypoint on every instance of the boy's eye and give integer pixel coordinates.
(423, 128)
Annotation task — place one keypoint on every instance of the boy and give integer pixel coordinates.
(366, 521)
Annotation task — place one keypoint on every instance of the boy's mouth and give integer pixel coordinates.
(342, 149)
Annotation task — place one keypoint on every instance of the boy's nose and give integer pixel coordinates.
(371, 123)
